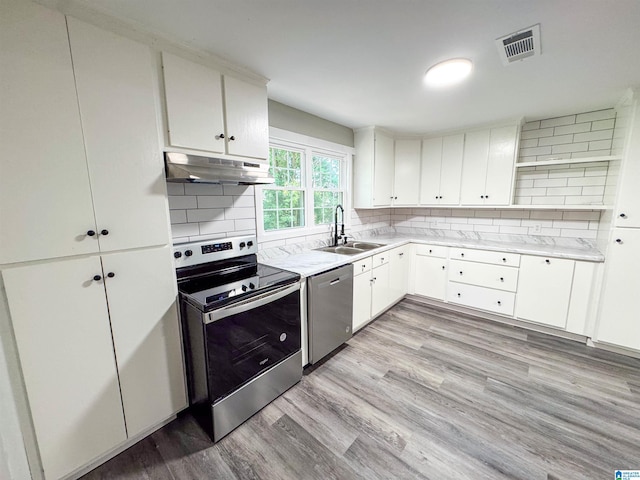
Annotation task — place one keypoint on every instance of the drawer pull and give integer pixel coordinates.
(504, 260)
(623, 215)
(460, 273)
(459, 295)
(502, 279)
(499, 302)
(401, 254)
(462, 254)
(430, 251)
(618, 240)
(443, 267)
(547, 261)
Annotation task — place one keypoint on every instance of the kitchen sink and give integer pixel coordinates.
(351, 248)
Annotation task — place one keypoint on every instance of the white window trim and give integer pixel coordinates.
(309, 145)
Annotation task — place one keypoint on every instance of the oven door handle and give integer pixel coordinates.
(250, 303)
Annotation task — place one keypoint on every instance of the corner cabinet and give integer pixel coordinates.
(213, 113)
(373, 167)
(488, 164)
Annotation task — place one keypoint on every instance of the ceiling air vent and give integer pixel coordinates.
(519, 45)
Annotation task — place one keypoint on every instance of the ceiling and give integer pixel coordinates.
(361, 62)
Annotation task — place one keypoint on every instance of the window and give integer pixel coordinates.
(311, 178)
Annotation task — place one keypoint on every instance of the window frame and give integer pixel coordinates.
(309, 146)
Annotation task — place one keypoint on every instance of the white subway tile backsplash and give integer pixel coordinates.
(597, 115)
(546, 200)
(182, 202)
(239, 212)
(238, 190)
(597, 135)
(178, 216)
(222, 227)
(529, 143)
(588, 234)
(561, 191)
(202, 189)
(245, 224)
(175, 188)
(214, 201)
(603, 124)
(570, 148)
(573, 224)
(534, 151)
(554, 122)
(205, 215)
(514, 230)
(581, 181)
(543, 132)
(550, 182)
(583, 200)
(555, 140)
(184, 230)
(576, 128)
(244, 201)
(599, 145)
(531, 126)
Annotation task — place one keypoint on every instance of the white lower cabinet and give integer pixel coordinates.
(619, 321)
(76, 385)
(496, 301)
(544, 291)
(362, 292)
(430, 271)
(380, 274)
(398, 273)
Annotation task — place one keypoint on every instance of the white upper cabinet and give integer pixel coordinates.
(487, 169)
(202, 115)
(406, 185)
(373, 169)
(441, 170)
(114, 78)
(247, 118)
(193, 94)
(45, 198)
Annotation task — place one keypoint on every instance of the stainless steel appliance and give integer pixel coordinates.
(242, 329)
(330, 311)
(180, 167)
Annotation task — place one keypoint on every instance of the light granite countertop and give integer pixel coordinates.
(308, 262)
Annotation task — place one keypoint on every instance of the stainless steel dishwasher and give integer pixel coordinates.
(330, 310)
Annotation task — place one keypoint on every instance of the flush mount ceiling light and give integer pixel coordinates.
(448, 72)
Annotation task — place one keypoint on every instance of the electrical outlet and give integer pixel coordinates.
(537, 228)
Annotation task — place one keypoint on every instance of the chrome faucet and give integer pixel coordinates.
(335, 228)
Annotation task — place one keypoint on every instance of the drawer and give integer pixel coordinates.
(482, 298)
(431, 250)
(362, 266)
(484, 275)
(486, 256)
(381, 258)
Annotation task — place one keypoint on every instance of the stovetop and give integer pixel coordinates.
(215, 273)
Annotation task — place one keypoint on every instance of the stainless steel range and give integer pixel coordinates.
(242, 329)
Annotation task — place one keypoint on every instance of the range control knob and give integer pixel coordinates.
(188, 253)
(177, 254)
(242, 244)
(252, 286)
(249, 243)
(244, 288)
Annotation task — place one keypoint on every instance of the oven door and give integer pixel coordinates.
(246, 338)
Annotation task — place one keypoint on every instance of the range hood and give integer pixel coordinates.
(181, 167)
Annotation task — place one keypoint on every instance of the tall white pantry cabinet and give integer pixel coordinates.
(619, 321)
(84, 237)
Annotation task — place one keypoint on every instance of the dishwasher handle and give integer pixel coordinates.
(337, 280)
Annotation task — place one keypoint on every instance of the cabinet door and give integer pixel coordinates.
(629, 200)
(430, 174)
(66, 353)
(500, 165)
(247, 124)
(382, 170)
(474, 167)
(193, 95)
(619, 322)
(406, 187)
(380, 299)
(398, 273)
(114, 78)
(451, 170)
(361, 300)
(430, 277)
(146, 335)
(544, 290)
(45, 199)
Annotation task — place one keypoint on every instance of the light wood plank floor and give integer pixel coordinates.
(424, 393)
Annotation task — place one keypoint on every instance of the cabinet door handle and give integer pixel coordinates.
(111, 274)
(504, 260)
(618, 240)
(232, 138)
(104, 232)
(401, 254)
(460, 273)
(462, 254)
(623, 215)
(547, 261)
(499, 302)
(97, 278)
(436, 197)
(363, 267)
(443, 267)
(486, 196)
(430, 251)
(221, 136)
(440, 197)
(481, 196)
(91, 233)
(459, 295)
(502, 279)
